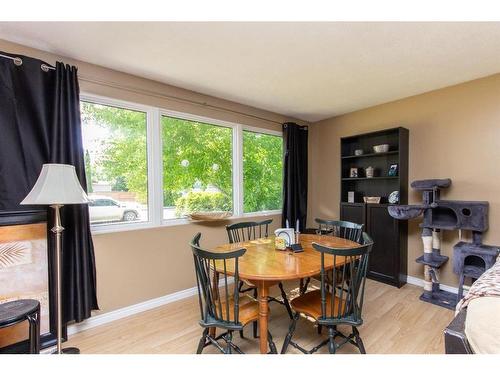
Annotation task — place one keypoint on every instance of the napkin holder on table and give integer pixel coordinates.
(289, 237)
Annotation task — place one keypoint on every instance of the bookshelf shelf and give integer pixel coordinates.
(371, 155)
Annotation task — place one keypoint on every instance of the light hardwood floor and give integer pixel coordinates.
(396, 321)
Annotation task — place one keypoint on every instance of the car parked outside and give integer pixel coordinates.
(105, 209)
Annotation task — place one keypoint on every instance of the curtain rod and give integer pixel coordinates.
(18, 61)
(171, 97)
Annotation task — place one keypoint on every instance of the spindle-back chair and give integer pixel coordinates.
(220, 303)
(339, 301)
(248, 231)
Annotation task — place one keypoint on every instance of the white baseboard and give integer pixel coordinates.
(124, 312)
(420, 282)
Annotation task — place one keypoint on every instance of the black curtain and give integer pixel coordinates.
(40, 123)
(295, 175)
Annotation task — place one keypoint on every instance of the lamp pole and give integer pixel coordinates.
(57, 230)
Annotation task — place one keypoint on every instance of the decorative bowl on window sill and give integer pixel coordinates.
(209, 216)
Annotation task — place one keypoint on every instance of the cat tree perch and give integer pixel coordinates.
(470, 259)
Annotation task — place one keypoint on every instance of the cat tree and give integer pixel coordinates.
(470, 259)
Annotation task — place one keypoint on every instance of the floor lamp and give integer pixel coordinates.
(56, 186)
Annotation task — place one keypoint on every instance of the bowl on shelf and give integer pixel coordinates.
(380, 148)
(371, 199)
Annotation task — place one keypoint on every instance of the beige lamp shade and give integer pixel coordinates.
(57, 184)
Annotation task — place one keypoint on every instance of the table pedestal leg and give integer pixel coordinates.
(263, 289)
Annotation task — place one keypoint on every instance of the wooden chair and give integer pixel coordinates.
(339, 303)
(247, 231)
(337, 228)
(219, 307)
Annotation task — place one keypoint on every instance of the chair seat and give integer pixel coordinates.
(248, 310)
(310, 304)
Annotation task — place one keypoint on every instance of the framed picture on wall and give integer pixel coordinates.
(25, 273)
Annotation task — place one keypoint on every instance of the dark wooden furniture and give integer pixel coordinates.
(221, 307)
(247, 231)
(340, 299)
(389, 257)
(336, 228)
(15, 312)
(264, 266)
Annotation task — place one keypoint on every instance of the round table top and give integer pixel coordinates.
(263, 262)
(14, 311)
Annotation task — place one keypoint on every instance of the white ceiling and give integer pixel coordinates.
(310, 71)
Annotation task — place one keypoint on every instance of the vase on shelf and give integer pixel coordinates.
(369, 172)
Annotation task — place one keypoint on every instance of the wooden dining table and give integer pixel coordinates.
(264, 266)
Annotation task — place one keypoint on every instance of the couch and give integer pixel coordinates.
(476, 326)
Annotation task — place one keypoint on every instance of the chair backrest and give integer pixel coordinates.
(344, 291)
(219, 305)
(248, 230)
(342, 229)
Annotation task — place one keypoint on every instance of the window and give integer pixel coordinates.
(146, 166)
(197, 167)
(115, 144)
(262, 172)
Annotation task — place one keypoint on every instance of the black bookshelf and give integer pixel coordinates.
(388, 260)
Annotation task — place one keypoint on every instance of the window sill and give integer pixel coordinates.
(115, 228)
(260, 213)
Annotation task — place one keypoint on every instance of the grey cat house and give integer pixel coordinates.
(470, 259)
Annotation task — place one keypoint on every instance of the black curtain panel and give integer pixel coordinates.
(295, 175)
(40, 123)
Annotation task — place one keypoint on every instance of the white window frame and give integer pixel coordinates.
(260, 131)
(150, 149)
(154, 145)
(236, 151)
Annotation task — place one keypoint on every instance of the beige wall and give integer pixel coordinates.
(454, 132)
(135, 266)
(138, 265)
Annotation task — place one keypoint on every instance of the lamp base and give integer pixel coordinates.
(70, 350)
